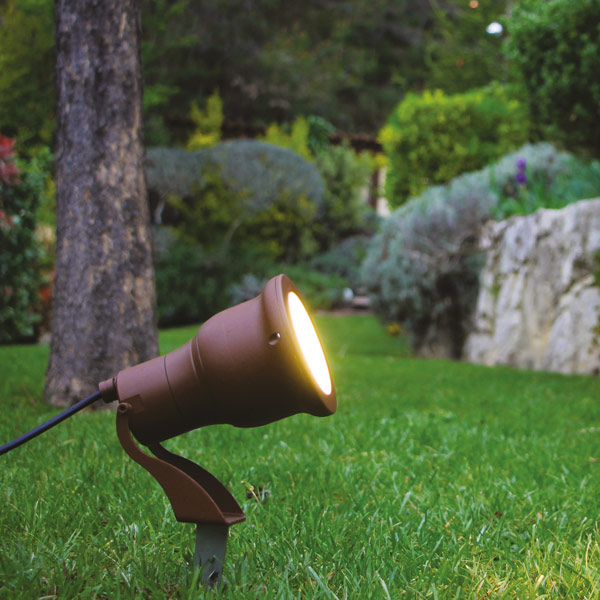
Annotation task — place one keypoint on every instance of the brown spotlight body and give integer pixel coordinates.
(247, 366)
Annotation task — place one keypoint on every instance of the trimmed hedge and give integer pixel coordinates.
(431, 138)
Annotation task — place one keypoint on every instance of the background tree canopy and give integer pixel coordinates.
(347, 61)
(27, 70)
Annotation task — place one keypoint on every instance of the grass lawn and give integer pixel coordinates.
(434, 480)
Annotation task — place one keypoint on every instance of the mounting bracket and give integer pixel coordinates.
(196, 496)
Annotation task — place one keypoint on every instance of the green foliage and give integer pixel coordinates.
(38, 171)
(27, 71)
(460, 54)
(319, 290)
(278, 195)
(431, 138)
(296, 140)
(423, 267)
(319, 131)
(38, 174)
(245, 206)
(548, 184)
(210, 214)
(208, 123)
(554, 47)
(283, 230)
(270, 63)
(259, 195)
(20, 252)
(273, 61)
(342, 212)
(470, 478)
(236, 208)
(191, 281)
(344, 259)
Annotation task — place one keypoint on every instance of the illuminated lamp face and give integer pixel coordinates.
(309, 343)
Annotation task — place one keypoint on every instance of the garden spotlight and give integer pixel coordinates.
(247, 366)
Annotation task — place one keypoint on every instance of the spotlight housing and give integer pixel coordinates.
(247, 366)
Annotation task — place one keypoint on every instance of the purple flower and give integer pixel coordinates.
(521, 178)
(521, 164)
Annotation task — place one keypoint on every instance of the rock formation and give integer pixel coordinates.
(539, 304)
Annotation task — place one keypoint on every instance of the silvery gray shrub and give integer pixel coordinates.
(422, 269)
(257, 172)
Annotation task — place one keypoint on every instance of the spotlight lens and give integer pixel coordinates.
(309, 343)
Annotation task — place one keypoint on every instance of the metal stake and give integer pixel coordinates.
(209, 553)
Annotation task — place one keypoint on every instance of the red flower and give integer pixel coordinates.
(9, 173)
(6, 147)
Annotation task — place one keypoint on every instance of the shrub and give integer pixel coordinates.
(20, 253)
(543, 178)
(318, 290)
(554, 49)
(431, 138)
(172, 171)
(38, 173)
(296, 140)
(422, 269)
(319, 131)
(208, 123)
(233, 209)
(342, 212)
(344, 259)
(250, 286)
(241, 207)
(280, 193)
(272, 194)
(209, 214)
(191, 283)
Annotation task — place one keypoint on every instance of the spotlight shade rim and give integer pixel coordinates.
(323, 404)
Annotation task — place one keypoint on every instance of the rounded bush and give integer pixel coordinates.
(227, 210)
(432, 137)
(272, 195)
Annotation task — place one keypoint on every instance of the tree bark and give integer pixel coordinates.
(104, 299)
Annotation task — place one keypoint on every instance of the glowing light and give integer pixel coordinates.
(309, 343)
(494, 28)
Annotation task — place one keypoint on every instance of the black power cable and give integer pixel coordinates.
(51, 423)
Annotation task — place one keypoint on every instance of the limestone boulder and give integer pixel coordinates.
(539, 305)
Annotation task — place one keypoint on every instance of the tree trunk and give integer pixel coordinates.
(104, 302)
